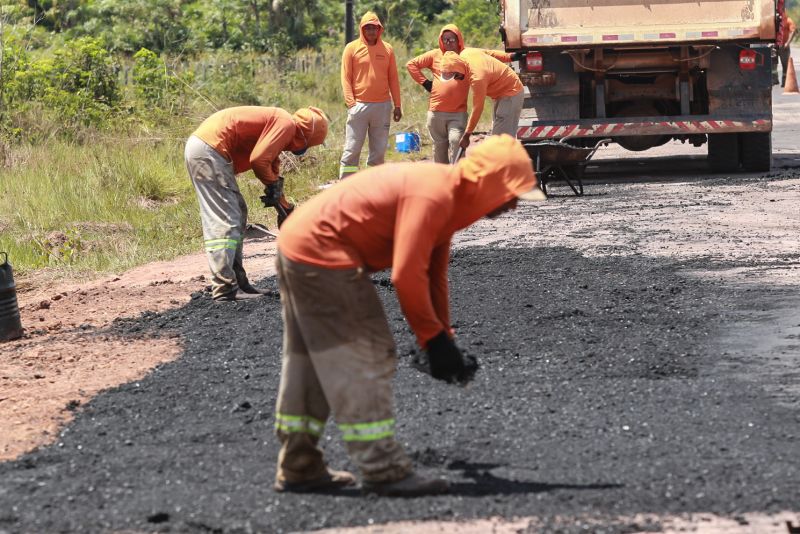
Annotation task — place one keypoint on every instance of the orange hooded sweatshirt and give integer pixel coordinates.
(369, 73)
(252, 137)
(488, 77)
(446, 95)
(403, 216)
(450, 95)
(787, 28)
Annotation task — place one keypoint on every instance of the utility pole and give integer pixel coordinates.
(348, 21)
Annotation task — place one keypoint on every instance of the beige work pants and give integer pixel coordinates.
(505, 117)
(223, 213)
(365, 119)
(338, 354)
(446, 129)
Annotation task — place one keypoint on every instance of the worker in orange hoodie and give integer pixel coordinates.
(338, 350)
(785, 37)
(229, 142)
(447, 106)
(370, 84)
(490, 77)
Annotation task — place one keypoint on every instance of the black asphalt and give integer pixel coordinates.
(605, 390)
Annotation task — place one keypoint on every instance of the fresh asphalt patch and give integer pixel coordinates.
(600, 392)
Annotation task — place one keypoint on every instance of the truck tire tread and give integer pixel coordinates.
(723, 152)
(755, 151)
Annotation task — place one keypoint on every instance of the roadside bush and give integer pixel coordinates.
(156, 89)
(14, 60)
(78, 83)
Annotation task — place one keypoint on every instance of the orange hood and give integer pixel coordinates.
(494, 172)
(312, 128)
(369, 18)
(452, 62)
(451, 28)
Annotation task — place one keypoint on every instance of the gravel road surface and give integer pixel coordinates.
(639, 350)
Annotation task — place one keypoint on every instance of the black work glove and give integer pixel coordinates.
(428, 85)
(518, 55)
(272, 193)
(447, 363)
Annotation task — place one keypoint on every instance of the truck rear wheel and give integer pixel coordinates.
(755, 150)
(723, 152)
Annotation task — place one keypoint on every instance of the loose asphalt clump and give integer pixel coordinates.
(600, 393)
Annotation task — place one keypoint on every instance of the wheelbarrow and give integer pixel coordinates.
(560, 161)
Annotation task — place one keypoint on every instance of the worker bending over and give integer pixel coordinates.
(229, 142)
(369, 84)
(491, 77)
(338, 350)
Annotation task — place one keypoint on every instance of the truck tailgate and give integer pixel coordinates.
(567, 23)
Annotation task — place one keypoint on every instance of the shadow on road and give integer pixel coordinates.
(485, 483)
(664, 169)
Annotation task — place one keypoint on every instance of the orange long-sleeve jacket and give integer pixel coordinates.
(252, 137)
(488, 77)
(446, 95)
(403, 216)
(788, 27)
(369, 73)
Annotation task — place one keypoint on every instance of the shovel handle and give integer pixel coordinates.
(457, 156)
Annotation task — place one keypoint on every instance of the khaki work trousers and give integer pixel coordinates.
(223, 214)
(505, 117)
(446, 129)
(338, 354)
(365, 119)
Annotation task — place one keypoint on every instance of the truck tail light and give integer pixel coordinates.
(747, 59)
(534, 62)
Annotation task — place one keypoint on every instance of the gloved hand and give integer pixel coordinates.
(272, 193)
(428, 85)
(519, 55)
(448, 363)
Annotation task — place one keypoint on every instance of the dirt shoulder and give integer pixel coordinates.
(64, 360)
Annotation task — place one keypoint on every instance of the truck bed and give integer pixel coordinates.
(567, 23)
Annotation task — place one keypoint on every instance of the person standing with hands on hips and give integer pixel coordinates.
(447, 107)
(370, 84)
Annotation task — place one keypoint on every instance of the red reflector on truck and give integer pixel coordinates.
(534, 61)
(747, 59)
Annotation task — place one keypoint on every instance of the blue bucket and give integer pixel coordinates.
(406, 142)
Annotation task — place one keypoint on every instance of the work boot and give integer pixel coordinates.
(252, 290)
(411, 486)
(239, 295)
(332, 480)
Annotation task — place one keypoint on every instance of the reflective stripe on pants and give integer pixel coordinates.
(339, 355)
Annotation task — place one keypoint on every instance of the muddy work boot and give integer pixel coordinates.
(252, 290)
(239, 295)
(332, 480)
(411, 486)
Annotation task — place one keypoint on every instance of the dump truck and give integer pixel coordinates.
(642, 73)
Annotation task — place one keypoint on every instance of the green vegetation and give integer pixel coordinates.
(98, 96)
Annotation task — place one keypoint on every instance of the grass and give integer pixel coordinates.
(113, 201)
